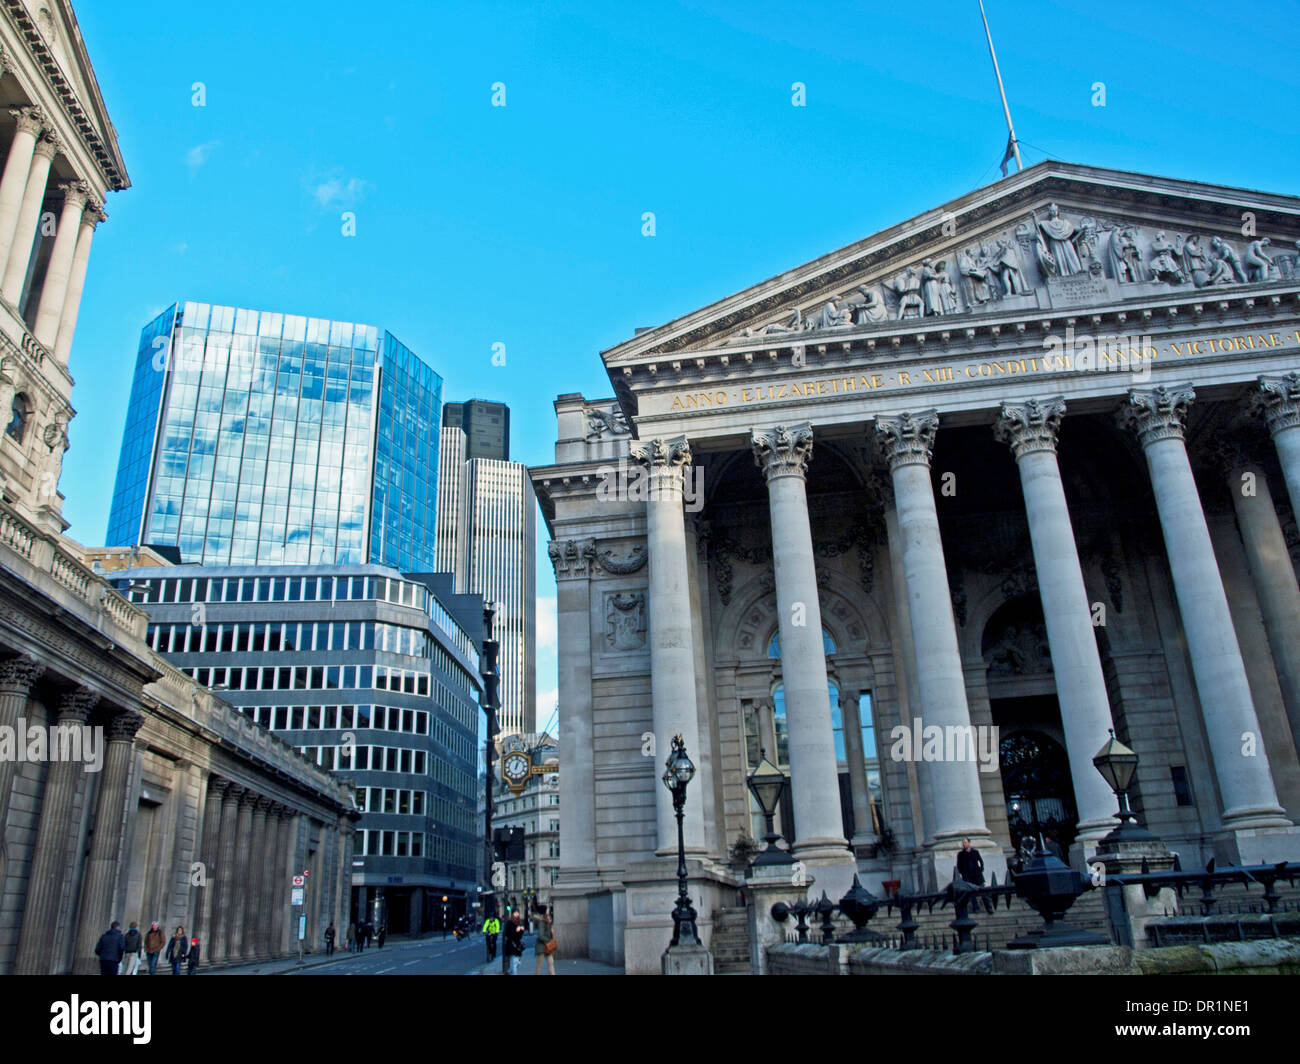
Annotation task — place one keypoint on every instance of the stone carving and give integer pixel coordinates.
(906, 287)
(829, 317)
(785, 451)
(1003, 261)
(979, 284)
(625, 615)
(1057, 254)
(1125, 256)
(1111, 574)
(1158, 414)
(1165, 255)
(1259, 265)
(123, 726)
(572, 558)
(936, 289)
(871, 310)
(658, 454)
(1196, 261)
(1277, 402)
(631, 564)
(1031, 426)
(20, 673)
(858, 536)
(1021, 650)
(606, 421)
(1227, 263)
(908, 438)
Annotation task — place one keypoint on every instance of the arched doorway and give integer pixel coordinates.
(1039, 793)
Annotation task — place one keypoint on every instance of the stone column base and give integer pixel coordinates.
(686, 960)
(767, 885)
(1249, 846)
(651, 894)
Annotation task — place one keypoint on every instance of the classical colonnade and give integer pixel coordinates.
(247, 852)
(24, 186)
(950, 790)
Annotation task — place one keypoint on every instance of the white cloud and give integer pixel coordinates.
(547, 627)
(336, 190)
(198, 155)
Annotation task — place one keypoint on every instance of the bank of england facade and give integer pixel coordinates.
(1021, 469)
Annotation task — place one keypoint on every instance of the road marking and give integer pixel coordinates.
(409, 963)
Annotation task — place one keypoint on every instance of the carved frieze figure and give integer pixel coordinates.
(907, 287)
(1057, 254)
(932, 287)
(1004, 262)
(1196, 261)
(870, 310)
(55, 438)
(1259, 265)
(1125, 255)
(829, 317)
(1164, 259)
(1087, 245)
(795, 323)
(606, 420)
(626, 619)
(974, 276)
(1227, 263)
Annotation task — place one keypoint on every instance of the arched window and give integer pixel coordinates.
(774, 647)
(21, 411)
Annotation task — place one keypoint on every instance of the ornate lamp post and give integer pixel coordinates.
(1117, 764)
(678, 773)
(767, 784)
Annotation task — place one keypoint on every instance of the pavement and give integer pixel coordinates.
(423, 956)
(528, 966)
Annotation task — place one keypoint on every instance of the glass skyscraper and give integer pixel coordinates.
(257, 438)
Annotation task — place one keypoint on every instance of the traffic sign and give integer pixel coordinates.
(302, 927)
(298, 881)
(295, 897)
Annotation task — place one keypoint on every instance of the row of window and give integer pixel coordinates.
(374, 843)
(301, 589)
(353, 758)
(312, 678)
(311, 718)
(391, 800)
(283, 637)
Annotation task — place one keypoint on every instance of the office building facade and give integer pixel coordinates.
(486, 425)
(256, 438)
(372, 675)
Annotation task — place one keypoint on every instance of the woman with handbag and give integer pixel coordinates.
(546, 944)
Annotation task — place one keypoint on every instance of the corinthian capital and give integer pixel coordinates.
(124, 725)
(659, 454)
(1031, 426)
(1158, 414)
(1278, 402)
(75, 705)
(30, 119)
(75, 193)
(19, 674)
(907, 439)
(784, 451)
(48, 146)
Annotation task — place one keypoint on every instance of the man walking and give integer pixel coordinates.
(153, 945)
(970, 867)
(133, 944)
(329, 941)
(109, 949)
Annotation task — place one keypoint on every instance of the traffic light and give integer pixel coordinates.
(444, 899)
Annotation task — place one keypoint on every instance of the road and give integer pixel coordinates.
(433, 956)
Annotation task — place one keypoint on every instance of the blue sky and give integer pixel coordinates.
(521, 224)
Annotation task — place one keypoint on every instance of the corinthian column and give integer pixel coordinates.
(30, 123)
(672, 654)
(1278, 403)
(210, 852)
(783, 454)
(1031, 429)
(29, 216)
(49, 865)
(58, 271)
(222, 876)
(96, 911)
(1158, 418)
(257, 935)
(77, 283)
(907, 442)
(17, 676)
(241, 869)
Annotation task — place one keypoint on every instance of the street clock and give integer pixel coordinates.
(516, 768)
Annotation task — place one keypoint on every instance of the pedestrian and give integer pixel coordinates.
(352, 934)
(491, 929)
(329, 941)
(193, 956)
(514, 944)
(133, 944)
(361, 936)
(370, 933)
(380, 935)
(109, 949)
(153, 945)
(177, 948)
(970, 867)
(546, 944)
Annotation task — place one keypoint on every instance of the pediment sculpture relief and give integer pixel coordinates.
(1054, 259)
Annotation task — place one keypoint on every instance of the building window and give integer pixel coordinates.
(1182, 787)
(20, 416)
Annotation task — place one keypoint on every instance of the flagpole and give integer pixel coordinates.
(1015, 144)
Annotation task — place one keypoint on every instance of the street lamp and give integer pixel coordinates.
(679, 771)
(767, 784)
(1117, 765)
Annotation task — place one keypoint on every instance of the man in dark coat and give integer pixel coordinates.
(970, 867)
(133, 944)
(110, 949)
(193, 956)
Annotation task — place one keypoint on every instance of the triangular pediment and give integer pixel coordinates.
(1056, 238)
